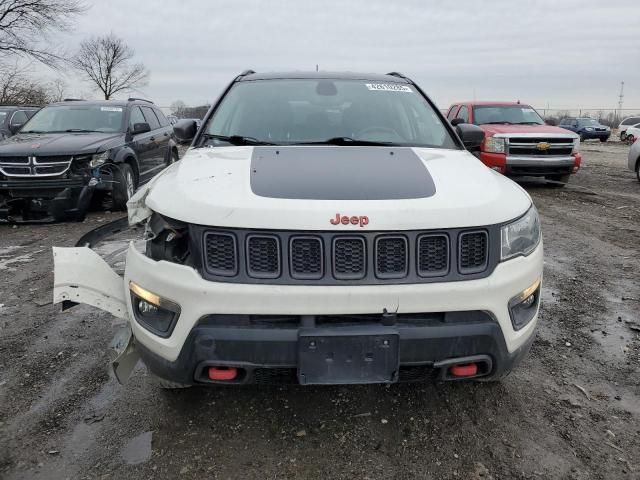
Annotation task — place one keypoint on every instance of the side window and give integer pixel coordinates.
(136, 117)
(19, 117)
(152, 120)
(452, 111)
(574, 123)
(161, 118)
(463, 113)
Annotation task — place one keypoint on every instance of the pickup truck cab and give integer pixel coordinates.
(518, 142)
(323, 228)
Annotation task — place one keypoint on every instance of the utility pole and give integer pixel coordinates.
(620, 98)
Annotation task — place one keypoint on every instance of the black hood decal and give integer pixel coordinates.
(339, 173)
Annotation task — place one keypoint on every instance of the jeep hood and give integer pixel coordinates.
(56, 143)
(491, 129)
(303, 187)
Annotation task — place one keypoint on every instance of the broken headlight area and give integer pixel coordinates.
(167, 239)
(156, 314)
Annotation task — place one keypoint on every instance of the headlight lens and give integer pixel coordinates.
(522, 236)
(589, 129)
(494, 145)
(99, 158)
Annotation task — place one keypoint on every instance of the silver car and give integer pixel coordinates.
(634, 158)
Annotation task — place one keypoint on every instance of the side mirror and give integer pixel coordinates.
(457, 121)
(14, 127)
(185, 130)
(471, 135)
(140, 128)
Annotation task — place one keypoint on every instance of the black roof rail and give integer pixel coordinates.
(400, 75)
(244, 74)
(73, 100)
(134, 99)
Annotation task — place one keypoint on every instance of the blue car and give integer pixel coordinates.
(587, 128)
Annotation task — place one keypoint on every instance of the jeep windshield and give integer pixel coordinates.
(506, 114)
(325, 112)
(77, 119)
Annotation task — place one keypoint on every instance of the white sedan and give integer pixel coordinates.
(633, 133)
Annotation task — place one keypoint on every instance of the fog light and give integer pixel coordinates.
(151, 311)
(523, 307)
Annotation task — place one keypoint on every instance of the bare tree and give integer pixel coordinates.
(57, 90)
(177, 108)
(18, 87)
(26, 26)
(107, 63)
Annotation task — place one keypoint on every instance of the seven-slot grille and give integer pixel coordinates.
(336, 258)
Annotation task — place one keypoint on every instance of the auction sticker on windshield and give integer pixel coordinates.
(388, 87)
(111, 109)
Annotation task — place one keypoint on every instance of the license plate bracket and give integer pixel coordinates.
(327, 357)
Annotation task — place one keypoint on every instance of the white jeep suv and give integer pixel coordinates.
(322, 229)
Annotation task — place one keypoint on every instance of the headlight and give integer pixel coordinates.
(522, 236)
(99, 158)
(494, 145)
(589, 129)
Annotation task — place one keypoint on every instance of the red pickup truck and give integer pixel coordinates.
(518, 142)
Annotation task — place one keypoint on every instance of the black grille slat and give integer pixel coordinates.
(433, 255)
(391, 257)
(306, 258)
(349, 258)
(53, 159)
(14, 160)
(473, 252)
(263, 256)
(221, 254)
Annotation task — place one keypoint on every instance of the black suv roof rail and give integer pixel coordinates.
(400, 75)
(73, 100)
(134, 99)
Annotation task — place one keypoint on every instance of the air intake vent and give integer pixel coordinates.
(221, 254)
(349, 261)
(306, 258)
(391, 257)
(263, 256)
(433, 255)
(473, 252)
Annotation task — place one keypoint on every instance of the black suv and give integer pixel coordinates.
(12, 118)
(76, 151)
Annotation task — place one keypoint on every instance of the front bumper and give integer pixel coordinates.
(43, 199)
(196, 342)
(532, 165)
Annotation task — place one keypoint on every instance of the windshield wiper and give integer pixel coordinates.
(346, 141)
(81, 130)
(237, 139)
(32, 131)
(497, 123)
(528, 123)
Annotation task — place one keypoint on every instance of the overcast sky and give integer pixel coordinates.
(562, 53)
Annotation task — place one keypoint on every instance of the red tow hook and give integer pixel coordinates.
(223, 373)
(464, 370)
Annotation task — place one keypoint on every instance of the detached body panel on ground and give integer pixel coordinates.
(345, 261)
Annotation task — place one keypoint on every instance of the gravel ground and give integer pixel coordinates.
(571, 411)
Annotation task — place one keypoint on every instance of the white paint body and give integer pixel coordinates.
(211, 186)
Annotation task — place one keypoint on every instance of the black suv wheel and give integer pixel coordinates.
(124, 186)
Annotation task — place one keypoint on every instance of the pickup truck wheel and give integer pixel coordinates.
(167, 384)
(561, 180)
(124, 186)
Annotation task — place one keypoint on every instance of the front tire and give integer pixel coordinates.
(559, 181)
(623, 136)
(604, 139)
(124, 186)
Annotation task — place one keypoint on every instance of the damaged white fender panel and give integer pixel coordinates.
(82, 276)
